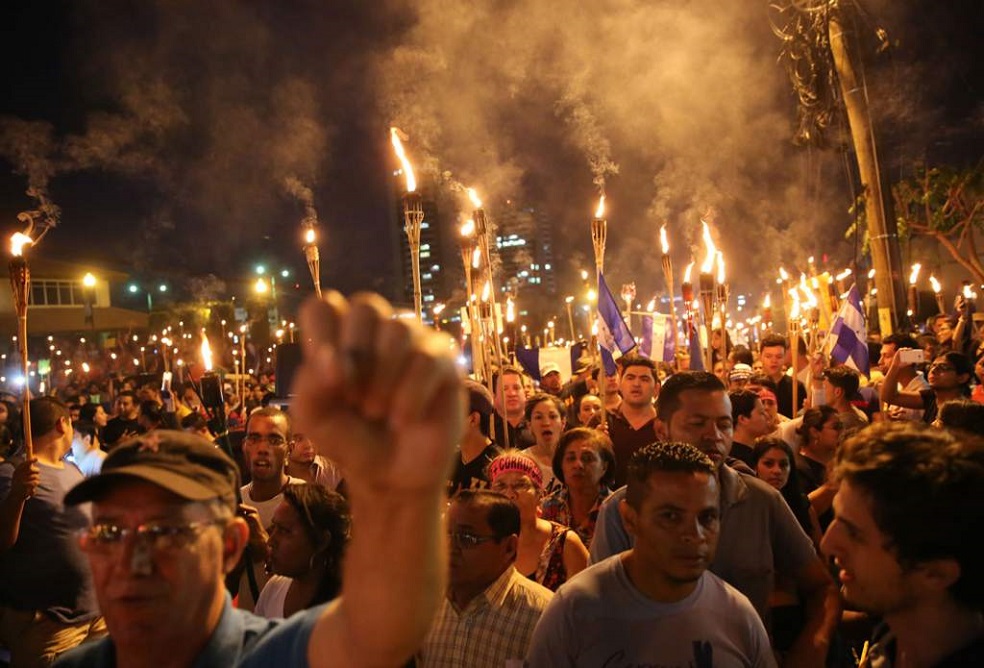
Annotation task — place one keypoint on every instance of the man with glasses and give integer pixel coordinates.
(949, 378)
(268, 437)
(383, 397)
(488, 615)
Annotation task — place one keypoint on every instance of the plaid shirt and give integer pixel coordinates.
(494, 629)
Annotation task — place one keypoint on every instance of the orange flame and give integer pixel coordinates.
(720, 263)
(708, 264)
(600, 211)
(310, 236)
(486, 291)
(936, 284)
(468, 228)
(206, 353)
(476, 258)
(17, 242)
(473, 196)
(687, 272)
(783, 274)
(914, 274)
(401, 154)
(663, 241)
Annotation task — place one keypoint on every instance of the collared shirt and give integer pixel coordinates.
(492, 631)
(240, 639)
(557, 508)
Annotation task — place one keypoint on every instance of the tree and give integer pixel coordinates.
(946, 204)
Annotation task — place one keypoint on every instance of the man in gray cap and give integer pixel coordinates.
(384, 396)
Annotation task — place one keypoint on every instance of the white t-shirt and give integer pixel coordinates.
(268, 507)
(272, 598)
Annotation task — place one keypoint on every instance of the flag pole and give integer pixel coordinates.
(599, 235)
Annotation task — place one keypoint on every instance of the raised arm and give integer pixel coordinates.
(890, 392)
(385, 399)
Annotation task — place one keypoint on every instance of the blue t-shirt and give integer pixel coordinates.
(45, 569)
(240, 639)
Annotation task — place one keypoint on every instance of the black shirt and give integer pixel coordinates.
(626, 440)
(520, 437)
(784, 396)
(118, 426)
(471, 475)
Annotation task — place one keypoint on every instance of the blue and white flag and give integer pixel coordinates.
(565, 357)
(657, 339)
(847, 342)
(612, 331)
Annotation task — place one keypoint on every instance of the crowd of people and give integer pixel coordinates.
(394, 513)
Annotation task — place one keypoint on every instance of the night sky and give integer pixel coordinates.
(171, 126)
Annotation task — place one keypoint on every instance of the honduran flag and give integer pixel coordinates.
(657, 338)
(847, 342)
(565, 357)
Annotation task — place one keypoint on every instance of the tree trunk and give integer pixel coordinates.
(882, 229)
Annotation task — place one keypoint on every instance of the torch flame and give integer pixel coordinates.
(687, 272)
(600, 211)
(708, 263)
(871, 274)
(486, 291)
(510, 309)
(914, 274)
(662, 239)
(783, 275)
(844, 274)
(473, 196)
(476, 258)
(468, 229)
(310, 236)
(651, 306)
(206, 353)
(401, 154)
(17, 242)
(935, 283)
(767, 302)
(720, 264)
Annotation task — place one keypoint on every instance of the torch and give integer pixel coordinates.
(628, 293)
(707, 293)
(913, 292)
(687, 292)
(413, 216)
(20, 284)
(313, 257)
(722, 300)
(668, 279)
(938, 293)
(490, 332)
(471, 259)
(599, 235)
(794, 327)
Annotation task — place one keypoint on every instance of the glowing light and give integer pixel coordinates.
(687, 272)
(85, 367)
(486, 291)
(600, 211)
(914, 273)
(844, 274)
(767, 302)
(511, 309)
(89, 280)
(17, 242)
(663, 242)
(936, 284)
(404, 161)
(310, 236)
(206, 353)
(476, 258)
(260, 286)
(720, 264)
(592, 295)
(651, 306)
(473, 196)
(783, 274)
(708, 264)
(468, 228)
(871, 274)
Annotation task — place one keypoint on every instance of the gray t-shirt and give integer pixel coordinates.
(599, 618)
(760, 537)
(45, 569)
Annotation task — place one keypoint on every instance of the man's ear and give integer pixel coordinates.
(629, 517)
(234, 539)
(939, 574)
(511, 545)
(662, 429)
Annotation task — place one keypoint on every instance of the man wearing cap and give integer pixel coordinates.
(550, 381)
(476, 449)
(383, 396)
(739, 376)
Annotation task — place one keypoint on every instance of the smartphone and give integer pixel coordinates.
(911, 356)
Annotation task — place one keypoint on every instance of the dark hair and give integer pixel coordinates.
(575, 409)
(325, 516)
(773, 340)
(761, 380)
(273, 413)
(900, 340)
(924, 486)
(127, 393)
(792, 492)
(194, 421)
(506, 370)
(742, 404)
(153, 411)
(632, 359)
(961, 363)
(844, 378)
(598, 440)
(962, 414)
(45, 413)
(88, 412)
(539, 398)
(742, 355)
(501, 514)
(668, 401)
(86, 428)
(662, 456)
(814, 418)
(480, 401)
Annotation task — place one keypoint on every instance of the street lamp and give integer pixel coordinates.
(88, 283)
(570, 316)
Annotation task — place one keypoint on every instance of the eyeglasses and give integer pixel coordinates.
(276, 440)
(520, 486)
(465, 540)
(161, 538)
(941, 367)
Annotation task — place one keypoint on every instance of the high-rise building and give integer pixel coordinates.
(525, 246)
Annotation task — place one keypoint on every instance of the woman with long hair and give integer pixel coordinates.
(546, 416)
(548, 553)
(308, 535)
